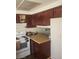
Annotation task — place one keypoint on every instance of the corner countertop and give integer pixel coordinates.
(40, 38)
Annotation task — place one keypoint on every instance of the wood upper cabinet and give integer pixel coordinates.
(20, 18)
(29, 21)
(34, 20)
(17, 18)
(57, 11)
(43, 18)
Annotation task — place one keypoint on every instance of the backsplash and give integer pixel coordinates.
(21, 27)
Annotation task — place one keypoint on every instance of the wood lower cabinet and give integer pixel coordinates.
(40, 51)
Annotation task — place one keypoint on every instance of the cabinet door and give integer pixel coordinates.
(34, 20)
(29, 21)
(46, 48)
(32, 47)
(17, 18)
(40, 20)
(44, 18)
(57, 12)
(37, 19)
(21, 18)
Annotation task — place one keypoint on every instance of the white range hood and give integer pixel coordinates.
(40, 26)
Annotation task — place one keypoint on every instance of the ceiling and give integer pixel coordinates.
(28, 5)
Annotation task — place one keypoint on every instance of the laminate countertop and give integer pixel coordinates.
(40, 38)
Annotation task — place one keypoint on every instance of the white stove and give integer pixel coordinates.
(25, 51)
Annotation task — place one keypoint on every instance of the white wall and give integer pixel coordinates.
(22, 27)
(56, 44)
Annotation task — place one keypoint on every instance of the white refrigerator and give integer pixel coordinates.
(56, 40)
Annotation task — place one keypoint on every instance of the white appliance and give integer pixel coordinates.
(21, 53)
(56, 44)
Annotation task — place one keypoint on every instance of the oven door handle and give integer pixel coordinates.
(25, 38)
